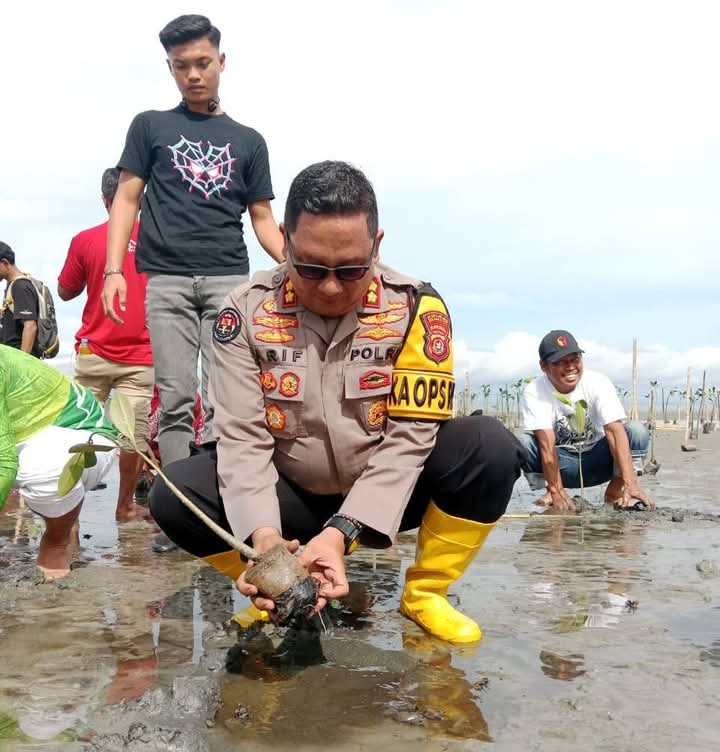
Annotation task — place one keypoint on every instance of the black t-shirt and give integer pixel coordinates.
(201, 172)
(20, 305)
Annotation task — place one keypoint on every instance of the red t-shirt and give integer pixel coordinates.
(84, 266)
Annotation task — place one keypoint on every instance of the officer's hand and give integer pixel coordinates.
(263, 539)
(558, 500)
(632, 493)
(324, 558)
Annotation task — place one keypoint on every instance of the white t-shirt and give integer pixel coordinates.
(542, 410)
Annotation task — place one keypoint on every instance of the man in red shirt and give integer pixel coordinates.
(110, 356)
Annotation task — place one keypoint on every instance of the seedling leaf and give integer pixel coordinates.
(71, 474)
(123, 416)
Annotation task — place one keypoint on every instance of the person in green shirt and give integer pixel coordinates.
(42, 414)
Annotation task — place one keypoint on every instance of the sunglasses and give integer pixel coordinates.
(317, 272)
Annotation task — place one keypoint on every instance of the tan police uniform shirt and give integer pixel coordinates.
(306, 396)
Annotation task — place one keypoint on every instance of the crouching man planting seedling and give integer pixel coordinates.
(563, 454)
(42, 415)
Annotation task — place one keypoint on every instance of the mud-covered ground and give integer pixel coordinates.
(600, 632)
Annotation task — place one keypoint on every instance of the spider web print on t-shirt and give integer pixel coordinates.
(208, 171)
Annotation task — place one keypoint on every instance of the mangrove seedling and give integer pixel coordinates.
(577, 422)
(277, 574)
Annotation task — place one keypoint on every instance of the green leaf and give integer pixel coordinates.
(579, 418)
(71, 474)
(89, 459)
(84, 448)
(564, 399)
(528, 380)
(122, 416)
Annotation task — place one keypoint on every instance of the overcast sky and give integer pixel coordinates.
(544, 164)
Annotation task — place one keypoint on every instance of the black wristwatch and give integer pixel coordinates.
(349, 527)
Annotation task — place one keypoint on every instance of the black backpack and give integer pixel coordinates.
(47, 342)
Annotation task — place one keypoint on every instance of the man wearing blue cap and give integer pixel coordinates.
(607, 445)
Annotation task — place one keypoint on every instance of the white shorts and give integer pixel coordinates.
(42, 459)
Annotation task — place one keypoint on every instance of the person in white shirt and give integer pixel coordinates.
(606, 447)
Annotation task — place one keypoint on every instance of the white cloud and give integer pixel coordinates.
(507, 141)
(515, 356)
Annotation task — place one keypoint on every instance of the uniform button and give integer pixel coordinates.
(277, 278)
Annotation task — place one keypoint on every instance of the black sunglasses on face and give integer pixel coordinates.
(317, 272)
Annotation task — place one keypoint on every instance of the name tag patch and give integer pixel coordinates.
(421, 395)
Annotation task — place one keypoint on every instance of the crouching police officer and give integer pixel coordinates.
(332, 385)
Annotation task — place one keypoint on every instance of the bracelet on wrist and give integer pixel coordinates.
(109, 272)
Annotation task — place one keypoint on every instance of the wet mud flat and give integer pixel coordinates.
(600, 632)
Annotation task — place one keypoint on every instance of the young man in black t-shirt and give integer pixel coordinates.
(20, 306)
(193, 172)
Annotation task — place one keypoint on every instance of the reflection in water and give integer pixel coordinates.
(441, 692)
(564, 668)
(589, 557)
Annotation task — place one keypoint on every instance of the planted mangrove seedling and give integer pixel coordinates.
(578, 421)
(277, 574)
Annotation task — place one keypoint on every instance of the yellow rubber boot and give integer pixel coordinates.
(231, 565)
(445, 547)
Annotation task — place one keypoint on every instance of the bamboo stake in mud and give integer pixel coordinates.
(634, 407)
(686, 446)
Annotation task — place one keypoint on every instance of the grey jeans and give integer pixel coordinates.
(181, 311)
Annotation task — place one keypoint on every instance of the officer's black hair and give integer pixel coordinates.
(331, 188)
(188, 28)
(7, 253)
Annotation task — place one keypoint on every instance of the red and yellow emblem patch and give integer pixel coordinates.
(381, 318)
(289, 384)
(275, 336)
(397, 306)
(275, 417)
(267, 380)
(379, 332)
(377, 414)
(374, 380)
(562, 341)
(270, 306)
(437, 335)
(372, 296)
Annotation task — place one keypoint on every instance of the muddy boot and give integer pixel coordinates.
(162, 544)
(231, 565)
(445, 547)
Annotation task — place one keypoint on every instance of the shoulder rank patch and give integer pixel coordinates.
(372, 296)
(275, 417)
(227, 325)
(288, 294)
(289, 384)
(423, 384)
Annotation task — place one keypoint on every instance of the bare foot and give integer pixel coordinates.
(53, 574)
(132, 513)
(53, 559)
